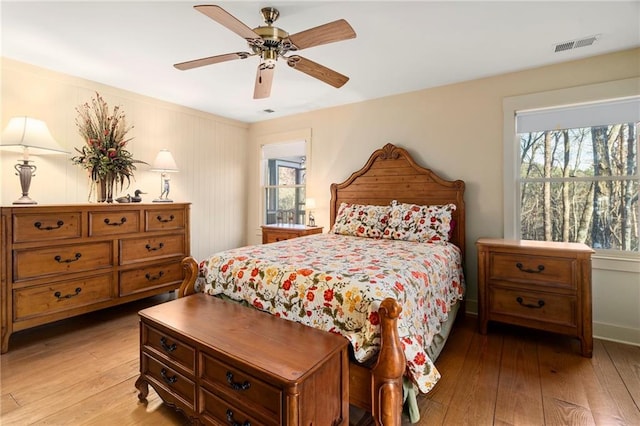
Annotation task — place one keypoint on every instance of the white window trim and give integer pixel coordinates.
(276, 138)
(573, 95)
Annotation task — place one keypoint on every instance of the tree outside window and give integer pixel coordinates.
(581, 185)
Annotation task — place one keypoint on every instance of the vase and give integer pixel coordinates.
(104, 189)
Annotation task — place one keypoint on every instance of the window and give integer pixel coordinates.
(578, 174)
(284, 182)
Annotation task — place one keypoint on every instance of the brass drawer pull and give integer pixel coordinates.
(160, 219)
(530, 305)
(150, 277)
(168, 380)
(48, 228)
(149, 248)
(232, 422)
(123, 220)
(166, 346)
(235, 385)
(59, 295)
(530, 271)
(58, 258)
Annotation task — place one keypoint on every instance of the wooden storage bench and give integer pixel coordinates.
(223, 363)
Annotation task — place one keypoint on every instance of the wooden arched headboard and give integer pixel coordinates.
(392, 174)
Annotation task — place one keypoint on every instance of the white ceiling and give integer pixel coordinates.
(400, 46)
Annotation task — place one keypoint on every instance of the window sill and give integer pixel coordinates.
(616, 261)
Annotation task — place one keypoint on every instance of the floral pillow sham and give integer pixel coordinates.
(398, 221)
(361, 220)
(412, 222)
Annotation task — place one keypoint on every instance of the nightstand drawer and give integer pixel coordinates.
(552, 271)
(237, 385)
(274, 237)
(113, 222)
(546, 307)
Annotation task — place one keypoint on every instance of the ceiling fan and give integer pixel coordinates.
(271, 43)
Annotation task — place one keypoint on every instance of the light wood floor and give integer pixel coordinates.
(82, 372)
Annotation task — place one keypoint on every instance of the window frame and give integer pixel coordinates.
(300, 135)
(609, 259)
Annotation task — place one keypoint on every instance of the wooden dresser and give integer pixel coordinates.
(274, 233)
(537, 284)
(59, 261)
(223, 363)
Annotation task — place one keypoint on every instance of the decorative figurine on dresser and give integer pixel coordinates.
(537, 284)
(60, 261)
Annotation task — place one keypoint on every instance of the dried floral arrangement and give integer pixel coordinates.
(105, 153)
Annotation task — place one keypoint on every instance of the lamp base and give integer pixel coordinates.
(162, 200)
(24, 200)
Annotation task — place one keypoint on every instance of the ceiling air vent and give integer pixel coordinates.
(574, 44)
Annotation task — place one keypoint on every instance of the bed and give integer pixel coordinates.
(350, 280)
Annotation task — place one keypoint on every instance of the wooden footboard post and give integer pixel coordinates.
(190, 267)
(386, 376)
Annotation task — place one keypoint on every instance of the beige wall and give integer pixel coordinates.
(210, 151)
(457, 131)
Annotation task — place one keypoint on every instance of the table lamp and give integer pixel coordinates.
(28, 135)
(310, 204)
(164, 163)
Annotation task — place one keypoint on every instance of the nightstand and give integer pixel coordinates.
(274, 233)
(537, 284)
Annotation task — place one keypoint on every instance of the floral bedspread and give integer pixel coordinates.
(336, 283)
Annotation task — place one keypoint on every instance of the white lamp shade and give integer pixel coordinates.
(164, 162)
(27, 132)
(310, 203)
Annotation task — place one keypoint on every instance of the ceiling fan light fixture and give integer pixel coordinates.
(269, 43)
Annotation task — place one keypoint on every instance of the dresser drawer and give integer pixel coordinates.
(218, 411)
(46, 226)
(113, 223)
(56, 297)
(161, 220)
(150, 277)
(235, 385)
(538, 306)
(552, 271)
(141, 249)
(32, 263)
(169, 347)
(169, 379)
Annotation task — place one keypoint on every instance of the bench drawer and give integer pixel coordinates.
(237, 385)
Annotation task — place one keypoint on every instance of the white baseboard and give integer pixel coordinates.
(614, 333)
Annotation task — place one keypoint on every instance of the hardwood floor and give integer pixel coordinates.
(82, 371)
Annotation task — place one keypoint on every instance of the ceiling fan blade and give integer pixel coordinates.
(224, 18)
(328, 33)
(318, 71)
(211, 60)
(264, 78)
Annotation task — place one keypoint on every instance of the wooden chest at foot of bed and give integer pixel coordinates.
(221, 363)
